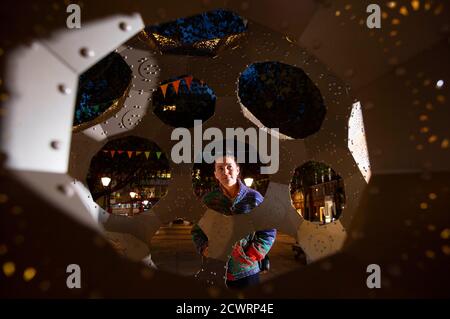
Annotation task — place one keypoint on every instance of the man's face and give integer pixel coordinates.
(226, 171)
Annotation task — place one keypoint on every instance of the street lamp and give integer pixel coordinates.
(132, 195)
(145, 202)
(105, 182)
(248, 181)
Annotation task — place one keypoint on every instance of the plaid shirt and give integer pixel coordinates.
(249, 250)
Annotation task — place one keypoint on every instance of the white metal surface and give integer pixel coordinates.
(36, 128)
(137, 103)
(37, 125)
(277, 211)
(66, 194)
(82, 48)
(320, 241)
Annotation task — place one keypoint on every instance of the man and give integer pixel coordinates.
(233, 197)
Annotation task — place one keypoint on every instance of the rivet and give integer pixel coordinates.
(87, 53)
(55, 145)
(66, 190)
(64, 89)
(125, 26)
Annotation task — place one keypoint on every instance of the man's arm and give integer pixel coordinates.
(261, 244)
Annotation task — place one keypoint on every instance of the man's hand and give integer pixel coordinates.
(205, 252)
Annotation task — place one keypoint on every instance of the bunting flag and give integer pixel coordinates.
(188, 81)
(176, 84)
(202, 82)
(130, 153)
(164, 89)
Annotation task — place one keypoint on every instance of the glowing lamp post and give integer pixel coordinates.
(105, 182)
(133, 196)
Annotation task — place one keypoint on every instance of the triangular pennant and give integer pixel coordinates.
(176, 84)
(130, 153)
(105, 151)
(164, 89)
(202, 82)
(158, 154)
(138, 153)
(147, 154)
(188, 81)
(112, 153)
(119, 152)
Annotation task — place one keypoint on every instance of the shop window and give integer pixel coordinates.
(317, 193)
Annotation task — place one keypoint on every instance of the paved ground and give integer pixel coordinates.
(173, 251)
